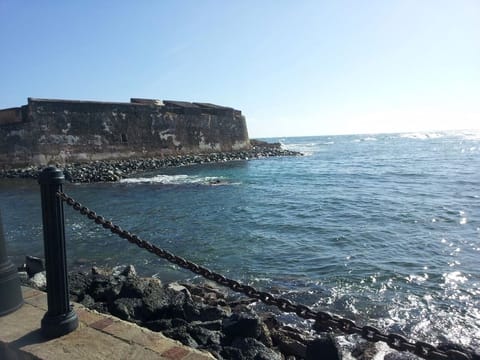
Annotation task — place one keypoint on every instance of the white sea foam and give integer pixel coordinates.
(368, 138)
(469, 134)
(418, 279)
(307, 149)
(422, 135)
(176, 180)
(382, 350)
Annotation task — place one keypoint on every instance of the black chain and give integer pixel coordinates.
(370, 333)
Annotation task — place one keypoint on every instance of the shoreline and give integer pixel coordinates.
(201, 316)
(115, 170)
(211, 318)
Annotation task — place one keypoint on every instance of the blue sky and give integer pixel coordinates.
(292, 67)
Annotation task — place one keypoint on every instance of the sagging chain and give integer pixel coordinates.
(369, 333)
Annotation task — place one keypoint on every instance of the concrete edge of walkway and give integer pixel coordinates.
(98, 336)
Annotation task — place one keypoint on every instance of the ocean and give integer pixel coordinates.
(381, 229)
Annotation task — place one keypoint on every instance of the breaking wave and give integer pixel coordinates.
(177, 180)
(422, 135)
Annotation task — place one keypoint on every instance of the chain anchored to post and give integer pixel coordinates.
(370, 333)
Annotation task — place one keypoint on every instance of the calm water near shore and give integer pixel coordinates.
(382, 229)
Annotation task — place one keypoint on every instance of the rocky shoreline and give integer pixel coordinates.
(206, 317)
(115, 170)
(200, 316)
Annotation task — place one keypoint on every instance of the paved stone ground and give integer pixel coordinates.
(98, 336)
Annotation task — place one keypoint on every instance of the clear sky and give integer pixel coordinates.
(293, 67)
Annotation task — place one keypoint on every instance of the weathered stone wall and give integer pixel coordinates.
(10, 116)
(59, 131)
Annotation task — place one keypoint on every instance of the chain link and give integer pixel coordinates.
(369, 333)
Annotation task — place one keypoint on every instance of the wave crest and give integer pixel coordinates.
(176, 180)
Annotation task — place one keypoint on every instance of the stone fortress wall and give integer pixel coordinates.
(47, 131)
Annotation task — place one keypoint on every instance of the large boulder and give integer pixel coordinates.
(34, 265)
(246, 326)
(79, 284)
(254, 349)
(324, 348)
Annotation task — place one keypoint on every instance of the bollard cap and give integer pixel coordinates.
(51, 176)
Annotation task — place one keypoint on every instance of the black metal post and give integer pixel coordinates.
(60, 319)
(11, 298)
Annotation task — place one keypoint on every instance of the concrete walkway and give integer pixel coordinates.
(98, 336)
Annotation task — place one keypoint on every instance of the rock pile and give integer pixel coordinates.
(199, 316)
(114, 170)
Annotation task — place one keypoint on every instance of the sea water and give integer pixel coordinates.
(381, 229)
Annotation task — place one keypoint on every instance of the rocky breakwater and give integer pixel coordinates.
(114, 170)
(199, 316)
